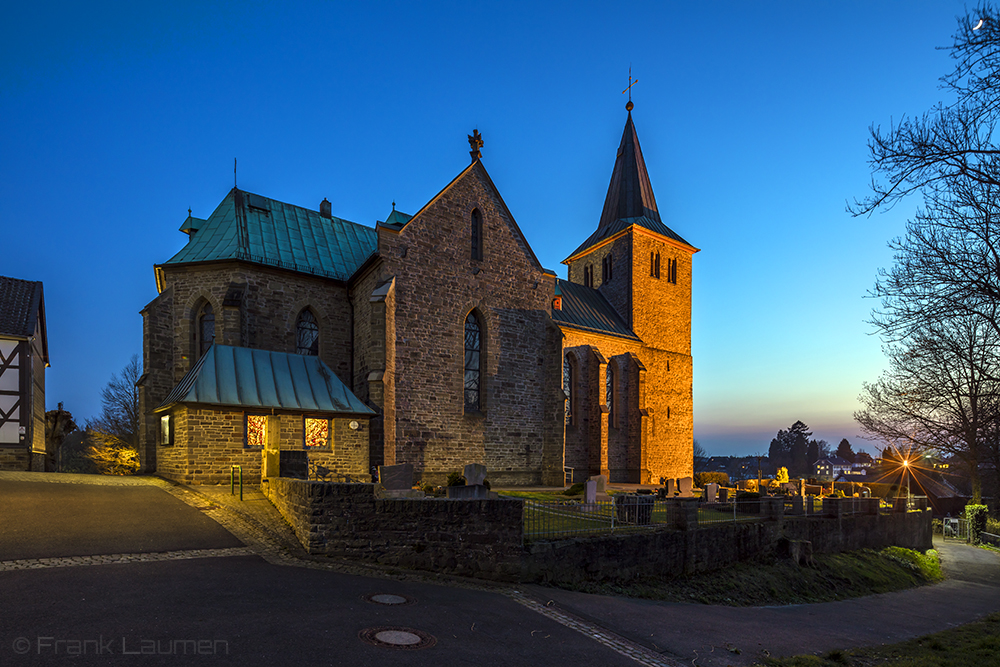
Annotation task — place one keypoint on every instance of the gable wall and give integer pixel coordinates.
(618, 291)
(518, 432)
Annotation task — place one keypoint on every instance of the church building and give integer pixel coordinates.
(436, 339)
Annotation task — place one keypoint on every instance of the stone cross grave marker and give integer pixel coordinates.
(396, 478)
(474, 474)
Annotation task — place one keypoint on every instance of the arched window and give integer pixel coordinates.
(307, 334)
(473, 363)
(568, 388)
(609, 389)
(477, 234)
(206, 328)
(606, 269)
(588, 276)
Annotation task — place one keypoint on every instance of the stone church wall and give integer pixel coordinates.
(266, 318)
(517, 432)
(208, 441)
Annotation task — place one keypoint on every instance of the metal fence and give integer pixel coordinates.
(625, 513)
(555, 519)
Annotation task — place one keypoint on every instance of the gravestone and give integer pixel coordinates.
(711, 492)
(590, 492)
(671, 488)
(396, 478)
(474, 489)
(686, 487)
(475, 474)
(723, 495)
(601, 494)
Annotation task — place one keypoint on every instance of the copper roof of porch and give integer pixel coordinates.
(242, 377)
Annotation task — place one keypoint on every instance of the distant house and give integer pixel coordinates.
(832, 467)
(24, 355)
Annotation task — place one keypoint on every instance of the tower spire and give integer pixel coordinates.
(630, 194)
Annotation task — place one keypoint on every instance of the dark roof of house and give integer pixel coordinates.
(630, 199)
(834, 460)
(586, 308)
(277, 234)
(21, 303)
(242, 377)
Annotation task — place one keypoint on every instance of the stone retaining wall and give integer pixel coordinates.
(483, 538)
(473, 538)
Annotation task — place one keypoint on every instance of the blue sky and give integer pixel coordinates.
(753, 119)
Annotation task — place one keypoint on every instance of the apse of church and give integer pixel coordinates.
(436, 339)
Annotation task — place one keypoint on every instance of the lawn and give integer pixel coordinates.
(972, 645)
(779, 582)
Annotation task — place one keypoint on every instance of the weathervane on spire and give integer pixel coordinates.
(629, 105)
(476, 142)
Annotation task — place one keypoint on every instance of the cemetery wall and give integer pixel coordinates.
(472, 538)
(484, 538)
(665, 552)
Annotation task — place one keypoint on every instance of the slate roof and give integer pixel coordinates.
(277, 234)
(20, 303)
(242, 377)
(586, 308)
(630, 199)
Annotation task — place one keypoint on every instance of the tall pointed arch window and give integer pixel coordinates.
(568, 388)
(473, 364)
(307, 334)
(206, 328)
(477, 234)
(609, 393)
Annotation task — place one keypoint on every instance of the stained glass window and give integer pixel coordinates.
(317, 432)
(206, 328)
(256, 427)
(307, 334)
(473, 349)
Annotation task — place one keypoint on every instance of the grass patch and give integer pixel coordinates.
(972, 645)
(832, 577)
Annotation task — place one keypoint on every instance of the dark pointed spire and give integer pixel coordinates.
(630, 194)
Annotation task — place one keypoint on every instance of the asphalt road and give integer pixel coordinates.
(738, 636)
(45, 520)
(238, 610)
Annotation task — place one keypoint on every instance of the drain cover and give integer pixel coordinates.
(389, 599)
(397, 638)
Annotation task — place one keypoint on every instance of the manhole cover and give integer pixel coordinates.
(389, 599)
(398, 638)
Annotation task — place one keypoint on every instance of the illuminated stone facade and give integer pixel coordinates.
(394, 321)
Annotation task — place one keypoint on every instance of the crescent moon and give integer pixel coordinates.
(979, 25)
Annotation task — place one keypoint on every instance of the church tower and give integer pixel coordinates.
(642, 268)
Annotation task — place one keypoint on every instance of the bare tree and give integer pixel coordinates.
(953, 142)
(114, 434)
(940, 392)
(700, 457)
(947, 265)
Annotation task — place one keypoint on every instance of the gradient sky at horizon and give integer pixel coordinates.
(753, 120)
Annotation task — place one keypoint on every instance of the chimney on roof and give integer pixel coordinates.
(324, 209)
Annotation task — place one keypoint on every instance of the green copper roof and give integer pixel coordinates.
(586, 308)
(278, 234)
(242, 377)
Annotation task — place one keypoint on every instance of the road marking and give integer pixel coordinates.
(113, 559)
